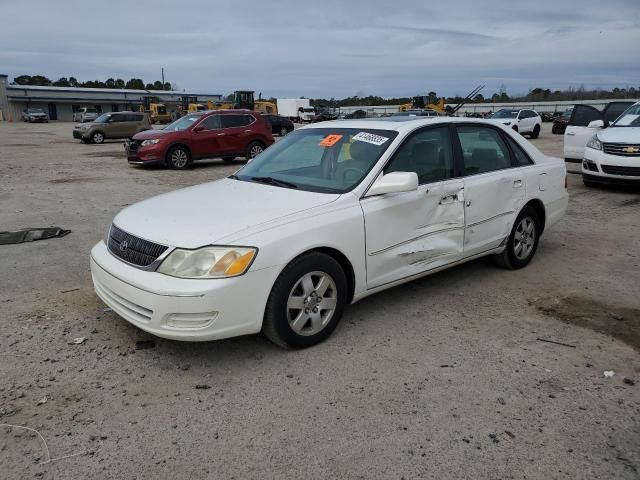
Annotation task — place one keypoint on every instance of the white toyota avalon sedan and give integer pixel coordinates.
(334, 212)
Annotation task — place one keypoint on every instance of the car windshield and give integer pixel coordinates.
(327, 160)
(35, 110)
(183, 123)
(629, 118)
(104, 118)
(566, 114)
(505, 114)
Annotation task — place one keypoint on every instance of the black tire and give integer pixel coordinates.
(97, 137)
(229, 158)
(284, 131)
(536, 131)
(276, 326)
(509, 258)
(178, 158)
(253, 149)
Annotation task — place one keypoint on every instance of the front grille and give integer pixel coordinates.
(619, 149)
(626, 171)
(132, 146)
(132, 249)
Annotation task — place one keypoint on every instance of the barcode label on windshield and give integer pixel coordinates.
(370, 138)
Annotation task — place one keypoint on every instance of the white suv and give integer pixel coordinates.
(523, 121)
(612, 155)
(85, 114)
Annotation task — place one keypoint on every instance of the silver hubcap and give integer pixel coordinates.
(179, 158)
(311, 303)
(283, 131)
(97, 138)
(524, 239)
(255, 150)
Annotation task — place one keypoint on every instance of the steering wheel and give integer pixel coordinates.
(346, 171)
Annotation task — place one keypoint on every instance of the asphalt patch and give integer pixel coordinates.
(622, 323)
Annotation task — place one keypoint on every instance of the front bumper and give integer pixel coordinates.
(598, 166)
(148, 155)
(182, 309)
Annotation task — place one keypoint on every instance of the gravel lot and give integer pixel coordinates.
(441, 378)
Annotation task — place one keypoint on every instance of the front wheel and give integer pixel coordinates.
(97, 137)
(523, 240)
(254, 149)
(178, 158)
(306, 301)
(284, 131)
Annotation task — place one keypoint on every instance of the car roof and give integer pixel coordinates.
(397, 124)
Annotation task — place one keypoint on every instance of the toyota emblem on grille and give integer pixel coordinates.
(123, 246)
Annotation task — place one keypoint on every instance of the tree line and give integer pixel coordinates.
(501, 96)
(133, 83)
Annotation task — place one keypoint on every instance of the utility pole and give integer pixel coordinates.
(162, 77)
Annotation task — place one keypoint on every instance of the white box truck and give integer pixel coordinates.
(296, 109)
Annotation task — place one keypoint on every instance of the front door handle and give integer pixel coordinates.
(517, 183)
(449, 198)
(571, 133)
(221, 134)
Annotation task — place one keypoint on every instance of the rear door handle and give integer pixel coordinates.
(517, 183)
(221, 134)
(449, 198)
(571, 133)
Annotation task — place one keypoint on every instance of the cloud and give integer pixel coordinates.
(331, 48)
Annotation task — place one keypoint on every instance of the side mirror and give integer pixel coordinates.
(596, 124)
(197, 129)
(394, 182)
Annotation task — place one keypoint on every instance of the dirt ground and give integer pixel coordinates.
(444, 378)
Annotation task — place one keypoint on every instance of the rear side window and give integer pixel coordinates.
(614, 110)
(483, 150)
(118, 118)
(211, 123)
(521, 159)
(230, 121)
(583, 115)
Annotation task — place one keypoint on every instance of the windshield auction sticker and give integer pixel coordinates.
(370, 138)
(330, 140)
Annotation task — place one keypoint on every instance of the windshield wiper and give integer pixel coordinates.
(274, 181)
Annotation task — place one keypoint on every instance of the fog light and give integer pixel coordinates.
(191, 320)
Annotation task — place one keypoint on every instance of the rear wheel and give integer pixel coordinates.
(284, 131)
(536, 131)
(306, 301)
(253, 149)
(97, 137)
(178, 158)
(523, 240)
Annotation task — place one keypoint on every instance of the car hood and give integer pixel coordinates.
(620, 135)
(201, 215)
(151, 133)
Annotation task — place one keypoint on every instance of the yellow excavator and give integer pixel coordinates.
(426, 102)
(244, 99)
(157, 111)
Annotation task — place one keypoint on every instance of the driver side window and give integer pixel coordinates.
(428, 153)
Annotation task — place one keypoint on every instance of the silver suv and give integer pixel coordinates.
(85, 114)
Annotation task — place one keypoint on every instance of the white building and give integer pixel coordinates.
(61, 102)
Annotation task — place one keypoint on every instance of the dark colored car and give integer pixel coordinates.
(33, 115)
(561, 121)
(279, 124)
(324, 117)
(210, 134)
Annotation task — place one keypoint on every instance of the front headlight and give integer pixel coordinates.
(595, 143)
(150, 142)
(208, 262)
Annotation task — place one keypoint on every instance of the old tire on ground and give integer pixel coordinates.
(229, 158)
(178, 158)
(536, 131)
(253, 149)
(523, 240)
(97, 137)
(306, 301)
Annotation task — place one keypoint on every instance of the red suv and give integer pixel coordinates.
(209, 134)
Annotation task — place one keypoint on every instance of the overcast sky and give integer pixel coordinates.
(328, 48)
